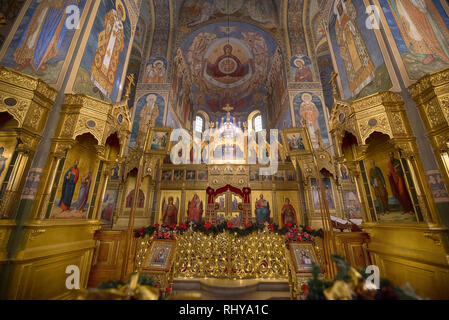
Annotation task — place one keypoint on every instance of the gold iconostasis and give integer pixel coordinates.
(90, 122)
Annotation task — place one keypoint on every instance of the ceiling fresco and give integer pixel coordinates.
(228, 64)
(197, 12)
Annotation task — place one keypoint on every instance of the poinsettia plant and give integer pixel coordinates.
(301, 234)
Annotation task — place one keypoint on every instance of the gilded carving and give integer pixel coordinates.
(69, 125)
(434, 114)
(381, 124)
(398, 124)
(34, 116)
(18, 111)
(444, 101)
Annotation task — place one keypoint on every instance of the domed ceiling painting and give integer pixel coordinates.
(229, 63)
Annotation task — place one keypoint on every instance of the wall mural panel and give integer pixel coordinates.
(351, 204)
(195, 205)
(302, 70)
(41, 43)
(421, 33)
(155, 71)
(103, 63)
(196, 12)
(326, 69)
(76, 184)
(229, 65)
(327, 185)
(108, 206)
(309, 106)
(389, 188)
(361, 67)
(150, 106)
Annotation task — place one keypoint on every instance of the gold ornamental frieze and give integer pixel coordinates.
(28, 100)
(82, 114)
(382, 112)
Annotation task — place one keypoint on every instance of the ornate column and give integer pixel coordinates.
(11, 195)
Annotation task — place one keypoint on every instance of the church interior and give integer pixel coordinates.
(224, 149)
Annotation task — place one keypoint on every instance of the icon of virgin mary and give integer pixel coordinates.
(227, 65)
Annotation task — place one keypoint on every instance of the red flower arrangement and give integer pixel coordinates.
(207, 225)
(292, 233)
(166, 232)
(296, 235)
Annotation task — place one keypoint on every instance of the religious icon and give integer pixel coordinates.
(190, 175)
(310, 113)
(262, 210)
(351, 204)
(195, 211)
(221, 203)
(170, 211)
(288, 213)
(148, 115)
(422, 28)
(84, 192)
(295, 141)
(179, 175)
(303, 256)
(203, 175)
(44, 34)
(378, 183)
(396, 177)
(115, 174)
(437, 186)
(159, 141)
(155, 72)
(344, 173)
(227, 170)
(254, 175)
(3, 160)
(327, 184)
(109, 205)
(303, 72)
(353, 50)
(111, 42)
(228, 65)
(140, 201)
(166, 175)
(160, 255)
(68, 188)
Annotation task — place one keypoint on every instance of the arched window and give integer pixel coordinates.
(258, 123)
(199, 124)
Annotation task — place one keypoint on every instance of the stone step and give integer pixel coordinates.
(224, 289)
